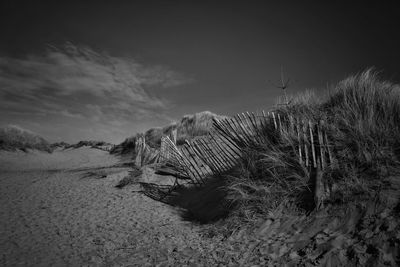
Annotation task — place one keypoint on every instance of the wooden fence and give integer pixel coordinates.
(222, 148)
(165, 148)
(144, 153)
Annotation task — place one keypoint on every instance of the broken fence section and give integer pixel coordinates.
(221, 149)
(144, 153)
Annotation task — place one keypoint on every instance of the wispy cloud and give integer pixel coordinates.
(78, 83)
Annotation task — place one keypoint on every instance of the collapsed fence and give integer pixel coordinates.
(222, 148)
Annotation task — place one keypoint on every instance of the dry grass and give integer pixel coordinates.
(264, 209)
(363, 114)
(13, 138)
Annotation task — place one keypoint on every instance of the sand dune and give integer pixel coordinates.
(59, 159)
(54, 215)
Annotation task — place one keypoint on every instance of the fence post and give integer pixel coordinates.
(280, 123)
(265, 118)
(305, 142)
(139, 147)
(312, 144)
(298, 138)
(321, 144)
(173, 135)
(319, 194)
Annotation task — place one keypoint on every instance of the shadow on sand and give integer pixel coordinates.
(204, 204)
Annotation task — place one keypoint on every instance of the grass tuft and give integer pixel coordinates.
(363, 117)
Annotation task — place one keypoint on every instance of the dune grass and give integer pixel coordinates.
(266, 205)
(363, 117)
(188, 127)
(363, 114)
(14, 138)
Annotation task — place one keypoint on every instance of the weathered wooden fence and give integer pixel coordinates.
(200, 157)
(144, 153)
(165, 148)
(221, 149)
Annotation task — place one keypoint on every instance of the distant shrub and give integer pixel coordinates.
(127, 146)
(90, 143)
(59, 145)
(13, 138)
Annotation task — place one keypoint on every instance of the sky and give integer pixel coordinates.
(100, 70)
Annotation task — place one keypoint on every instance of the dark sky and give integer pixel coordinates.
(106, 70)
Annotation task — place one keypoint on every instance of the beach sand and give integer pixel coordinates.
(54, 214)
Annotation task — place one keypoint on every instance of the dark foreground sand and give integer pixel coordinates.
(55, 215)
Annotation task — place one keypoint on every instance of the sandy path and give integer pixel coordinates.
(58, 218)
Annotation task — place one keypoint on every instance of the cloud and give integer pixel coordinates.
(67, 113)
(79, 83)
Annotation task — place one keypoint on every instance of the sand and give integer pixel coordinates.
(54, 214)
(59, 159)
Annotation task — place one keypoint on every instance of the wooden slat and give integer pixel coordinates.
(194, 164)
(216, 160)
(206, 156)
(228, 153)
(221, 127)
(255, 127)
(231, 123)
(243, 136)
(228, 139)
(332, 161)
(179, 158)
(304, 128)
(245, 131)
(280, 122)
(312, 144)
(291, 123)
(203, 156)
(250, 124)
(262, 122)
(299, 140)
(273, 116)
(321, 145)
(225, 158)
(231, 132)
(220, 150)
(265, 118)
